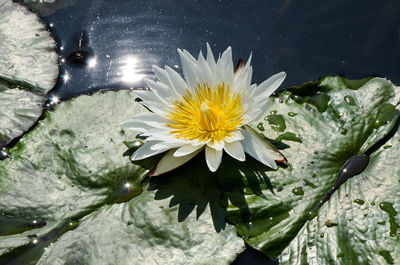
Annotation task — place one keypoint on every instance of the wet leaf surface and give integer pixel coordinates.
(71, 175)
(28, 69)
(335, 119)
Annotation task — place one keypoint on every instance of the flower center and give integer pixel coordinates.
(206, 114)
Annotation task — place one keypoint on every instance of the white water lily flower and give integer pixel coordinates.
(207, 109)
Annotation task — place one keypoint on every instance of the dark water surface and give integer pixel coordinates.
(307, 39)
(113, 44)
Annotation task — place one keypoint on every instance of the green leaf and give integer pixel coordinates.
(144, 231)
(28, 69)
(327, 123)
(71, 194)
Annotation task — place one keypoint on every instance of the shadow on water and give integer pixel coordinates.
(193, 186)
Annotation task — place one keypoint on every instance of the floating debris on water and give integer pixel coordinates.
(83, 55)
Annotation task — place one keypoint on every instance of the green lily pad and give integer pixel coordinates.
(72, 194)
(144, 231)
(28, 69)
(335, 120)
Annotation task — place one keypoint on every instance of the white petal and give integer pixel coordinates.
(165, 145)
(213, 158)
(159, 135)
(252, 115)
(266, 88)
(225, 66)
(210, 59)
(186, 149)
(242, 82)
(170, 162)
(145, 151)
(150, 119)
(243, 66)
(161, 90)
(189, 67)
(251, 91)
(161, 75)
(256, 109)
(260, 149)
(206, 75)
(235, 136)
(216, 145)
(249, 60)
(135, 125)
(235, 150)
(176, 81)
(151, 101)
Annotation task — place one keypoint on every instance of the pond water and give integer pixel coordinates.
(119, 42)
(104, 45)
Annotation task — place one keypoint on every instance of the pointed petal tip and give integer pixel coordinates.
(213, 158)
(180, 52)
(241, 159)
(156, 69)
(283, 158)
(239, 65)
(282, 75)
(274, 166)
(213, 169)
(209, 48)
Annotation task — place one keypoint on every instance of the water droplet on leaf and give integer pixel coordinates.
(298, 191)
(350, 100)
(359, 201)
(4, 154)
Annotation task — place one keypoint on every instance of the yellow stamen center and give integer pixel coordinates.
(206, 114)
